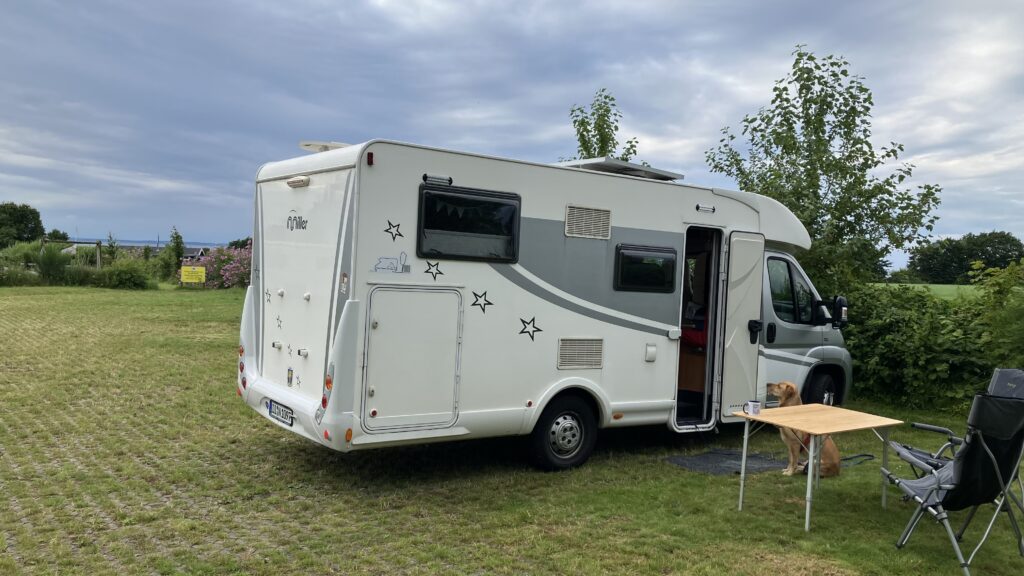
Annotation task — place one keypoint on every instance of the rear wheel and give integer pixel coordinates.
(565, 434)
(823, 389)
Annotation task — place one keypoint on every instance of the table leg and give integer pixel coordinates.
(817, 464)
(885, 464)
(810, 482)
(743, 461)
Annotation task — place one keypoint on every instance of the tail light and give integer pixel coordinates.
(241, 367)
(244, 383)
(328, 386)
(241, 350)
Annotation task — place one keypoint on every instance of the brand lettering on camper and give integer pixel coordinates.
(296, 222)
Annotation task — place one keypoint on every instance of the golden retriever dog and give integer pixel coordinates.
(788, 395)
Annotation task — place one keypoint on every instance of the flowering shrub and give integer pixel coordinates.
(227, 267)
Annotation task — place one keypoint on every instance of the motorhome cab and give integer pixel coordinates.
(403, 294)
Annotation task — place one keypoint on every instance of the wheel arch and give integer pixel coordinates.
(588, 391)
(838, 375)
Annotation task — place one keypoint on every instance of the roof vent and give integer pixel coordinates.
(580, 353)
(616, 166)
(581, 222)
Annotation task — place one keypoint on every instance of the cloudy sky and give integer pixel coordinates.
(133, 116)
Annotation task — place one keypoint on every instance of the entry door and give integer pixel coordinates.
(740, 360)
(412, 358)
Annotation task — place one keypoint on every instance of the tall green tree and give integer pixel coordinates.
(19, 223)
(110, 250)
(811, 150)
(950, 260)
(597, 129)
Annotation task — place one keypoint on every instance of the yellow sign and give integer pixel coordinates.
(193, 274)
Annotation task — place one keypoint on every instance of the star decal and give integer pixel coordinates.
(530, 328)
(433, 269)
(394, 231)
(279, 321)
(267, 294)
(481, 301)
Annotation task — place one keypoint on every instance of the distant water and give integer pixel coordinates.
(163, 242)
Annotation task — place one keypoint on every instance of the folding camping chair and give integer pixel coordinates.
(1007, 382)
(981, 471)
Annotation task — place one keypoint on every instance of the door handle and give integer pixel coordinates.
(754, 326)
(771, 332)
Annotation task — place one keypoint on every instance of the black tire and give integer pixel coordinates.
(565, 435)
(823, 389)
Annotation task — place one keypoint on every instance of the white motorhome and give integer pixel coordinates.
(404, 294)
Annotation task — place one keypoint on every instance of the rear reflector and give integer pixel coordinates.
(327, 435)
(323, 401)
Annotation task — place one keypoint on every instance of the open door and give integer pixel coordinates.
(743, 322)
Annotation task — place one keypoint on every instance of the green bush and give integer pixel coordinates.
(52, 264)
(17, 276)
(914, 349)
(24, 254)
(127, 275)
(82, 276)
(85, 255)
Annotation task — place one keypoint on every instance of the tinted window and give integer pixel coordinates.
(804, 298)
(468, 224)
(781, 287)
(645, 268)
(792, 297)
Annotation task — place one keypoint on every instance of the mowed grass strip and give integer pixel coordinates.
(126, 451)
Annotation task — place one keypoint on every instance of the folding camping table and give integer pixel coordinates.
(817, 420)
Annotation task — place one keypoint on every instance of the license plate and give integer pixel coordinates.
(280, 412)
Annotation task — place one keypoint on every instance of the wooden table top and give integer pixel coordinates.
(819, 419)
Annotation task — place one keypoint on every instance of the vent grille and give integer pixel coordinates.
(588, 222)
(578, 353)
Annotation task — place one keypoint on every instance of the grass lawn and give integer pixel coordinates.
(124, 449)
(947, 291)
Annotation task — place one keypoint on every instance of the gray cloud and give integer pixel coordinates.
(133, 116)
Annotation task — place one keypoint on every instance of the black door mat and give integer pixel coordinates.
(722, 462)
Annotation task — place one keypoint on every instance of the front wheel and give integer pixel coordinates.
(823, 389)
(565, 434)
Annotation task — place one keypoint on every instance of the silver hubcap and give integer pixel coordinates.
(566, 435)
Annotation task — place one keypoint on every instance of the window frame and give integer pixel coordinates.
(793, 269)
(660, 251)
(505, 197)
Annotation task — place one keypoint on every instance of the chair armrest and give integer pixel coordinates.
(931, 428)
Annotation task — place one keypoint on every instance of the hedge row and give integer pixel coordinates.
(915, 349)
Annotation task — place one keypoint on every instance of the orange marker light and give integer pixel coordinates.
(329, 382)
(241, 350)
(239, 391)
(348, 435)
(617, 416)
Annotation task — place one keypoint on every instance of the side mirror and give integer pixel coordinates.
(839, 312)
